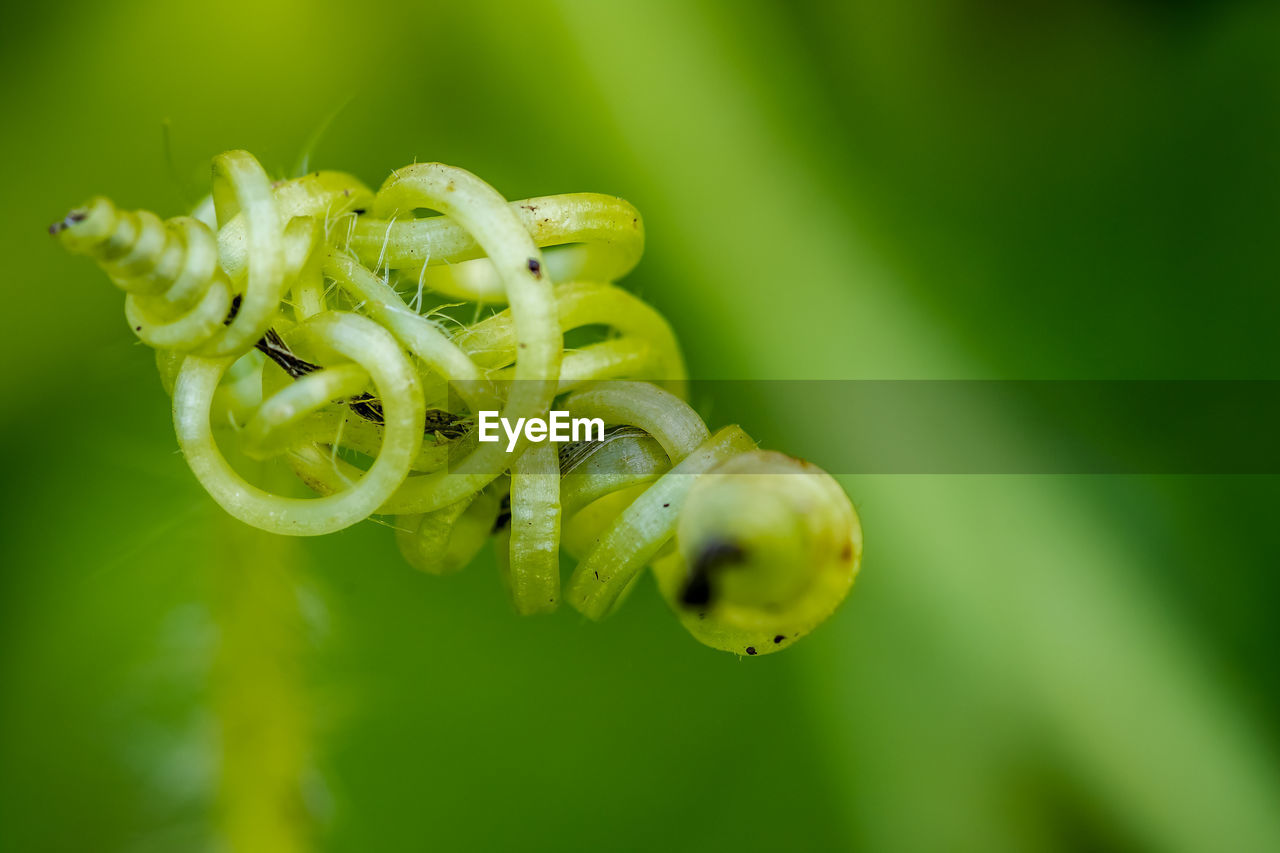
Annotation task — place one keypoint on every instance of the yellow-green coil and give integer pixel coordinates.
(291, 321)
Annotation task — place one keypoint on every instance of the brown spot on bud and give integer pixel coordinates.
(72, 218)
(714, 557)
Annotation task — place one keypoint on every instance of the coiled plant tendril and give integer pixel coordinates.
(287, 322)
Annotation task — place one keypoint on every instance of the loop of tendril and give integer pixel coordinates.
(291, 323)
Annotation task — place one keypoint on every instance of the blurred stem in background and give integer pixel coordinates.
(257, 686)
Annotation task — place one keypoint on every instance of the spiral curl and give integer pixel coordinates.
(288, 324)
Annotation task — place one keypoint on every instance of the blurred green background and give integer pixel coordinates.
(959, 189)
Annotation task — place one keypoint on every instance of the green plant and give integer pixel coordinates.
(281, 333)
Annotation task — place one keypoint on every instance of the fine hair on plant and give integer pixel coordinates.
(292, 323)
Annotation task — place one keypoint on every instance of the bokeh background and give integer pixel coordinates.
(959, 189)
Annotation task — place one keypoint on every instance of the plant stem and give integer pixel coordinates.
(258, 692)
